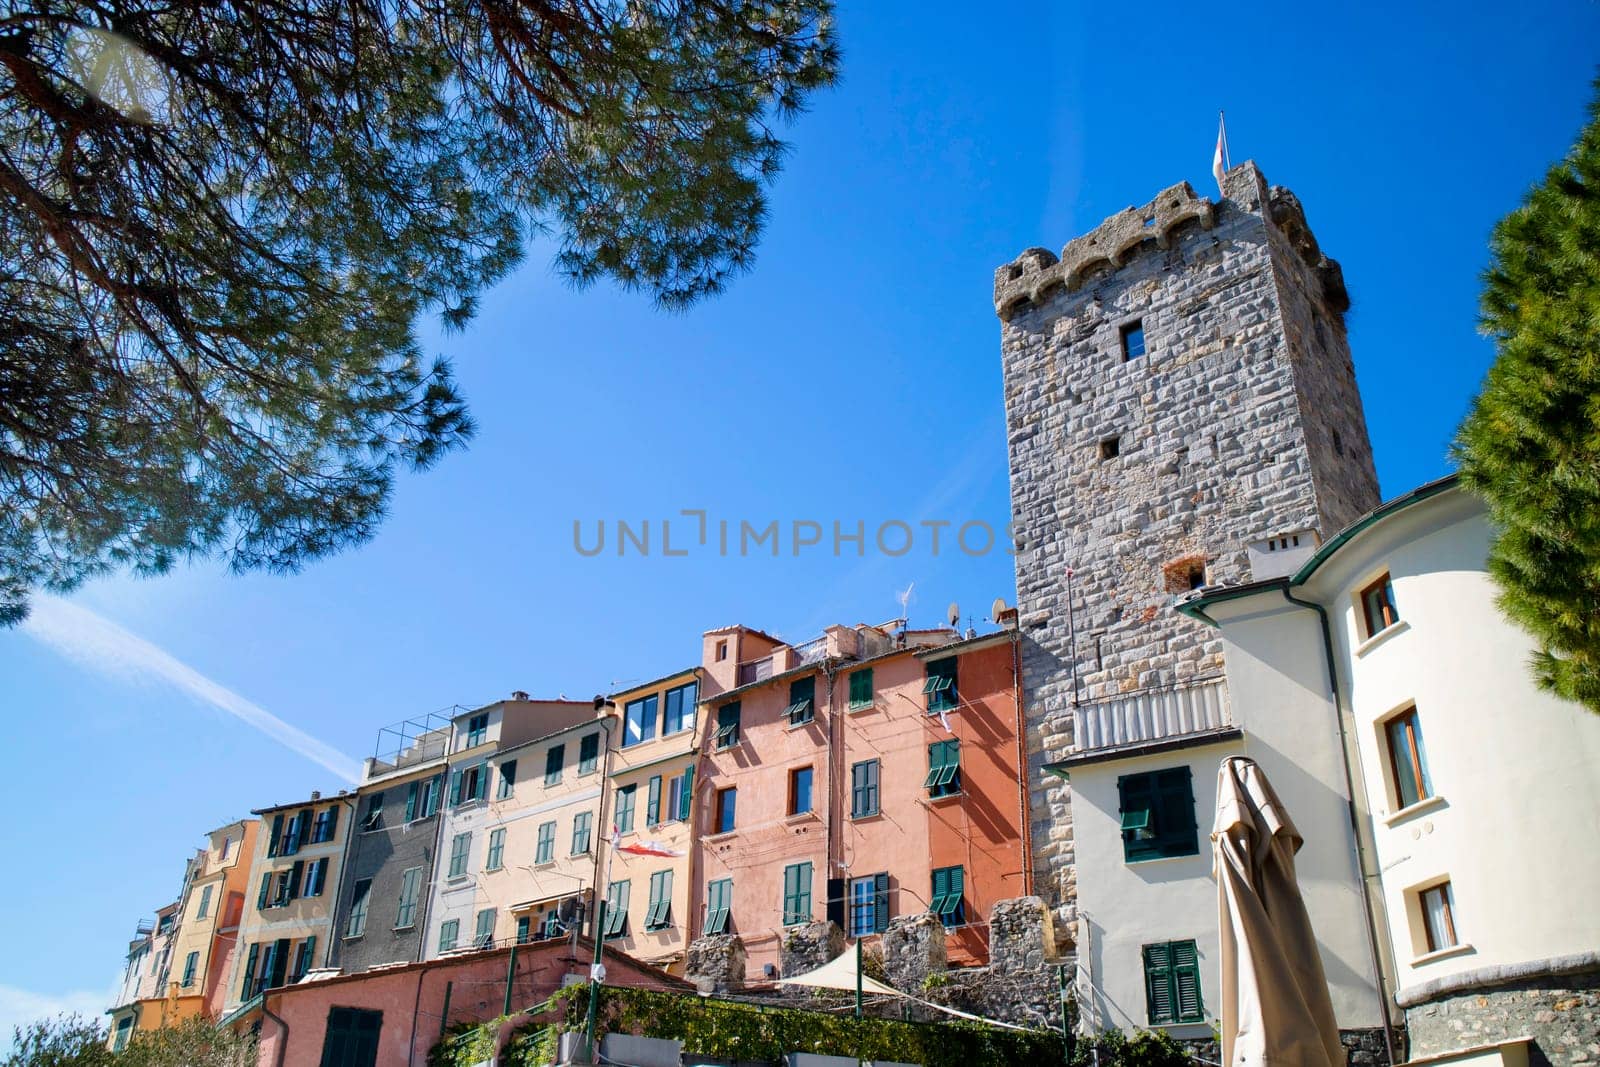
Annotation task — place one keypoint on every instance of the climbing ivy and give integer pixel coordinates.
(465, 1044)
(720, 1029)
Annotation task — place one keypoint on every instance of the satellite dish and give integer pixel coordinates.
(954, 613)
(997, 608)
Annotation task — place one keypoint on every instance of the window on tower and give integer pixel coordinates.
(1110, 448)
(1133, 339)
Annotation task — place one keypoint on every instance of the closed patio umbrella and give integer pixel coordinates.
(1275, 1004)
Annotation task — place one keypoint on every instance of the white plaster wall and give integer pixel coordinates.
(1279, 697)
(1516, 771)
(1123, 906)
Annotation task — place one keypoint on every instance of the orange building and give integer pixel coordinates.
(868, 774)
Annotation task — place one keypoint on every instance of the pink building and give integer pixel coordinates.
(393, 1015)
(862, 776)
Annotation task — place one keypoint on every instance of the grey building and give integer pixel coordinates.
(393, 845)
(1181, 411)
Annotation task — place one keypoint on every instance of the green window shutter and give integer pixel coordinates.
(686, 793)
(719, 905)
(1137, 796)
(658, 915)
(1175, 818)
(309, 947)
(588, 753)
(303, 829)
(625, 808)
(617, 908)
(449, 932)
(266, 887)
(940, 686)
(1160, 999)
(802, 701)
(728, 725)
(411, 801)
(277, 835)
(555, 759)
(280, 963)
(861, 688)
(652, 807)
(247, 990)
(296, 875)
(880, 900)
(333, 824)
(1184, 958)
(455, 788)
(796, 893)
(944, 768)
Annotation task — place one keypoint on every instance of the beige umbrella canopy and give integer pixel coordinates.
(1275, 1005)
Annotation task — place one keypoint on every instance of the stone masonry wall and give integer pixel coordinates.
(1223, 435)
(1560, 1013)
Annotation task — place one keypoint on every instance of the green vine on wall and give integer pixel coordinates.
(721, 1029)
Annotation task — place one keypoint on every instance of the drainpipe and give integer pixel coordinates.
(832, 831)
(1350, 807)
(283, 1046)
(1022, 764)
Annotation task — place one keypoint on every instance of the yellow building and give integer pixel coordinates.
(287, 920)
(210, 910)
(649, 789)
(518, 846)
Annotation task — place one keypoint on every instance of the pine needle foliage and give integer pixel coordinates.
(220, 222)
(1531, 444)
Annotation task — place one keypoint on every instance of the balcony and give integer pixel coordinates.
(1149, 716)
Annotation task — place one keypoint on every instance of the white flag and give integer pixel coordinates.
(1219, 157)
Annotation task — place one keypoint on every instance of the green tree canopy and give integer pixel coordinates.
(73, 1041)
(1531, 444)
(220, 221)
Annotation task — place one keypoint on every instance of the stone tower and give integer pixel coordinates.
(1180, 400)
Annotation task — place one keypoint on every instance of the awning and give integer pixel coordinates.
(840, 973)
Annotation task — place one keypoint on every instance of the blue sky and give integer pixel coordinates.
(854, 374)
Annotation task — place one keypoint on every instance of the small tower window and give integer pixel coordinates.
(1110, 448)
(722, 651)
(1338, 443)
(1182, 575)
(1133, 339)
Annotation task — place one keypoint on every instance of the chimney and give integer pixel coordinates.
(517, 694)
(315, 796)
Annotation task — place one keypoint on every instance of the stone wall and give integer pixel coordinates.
(1561, 1013)
(805, 948)
(715, 964)
(913, 949)
(1221, 434)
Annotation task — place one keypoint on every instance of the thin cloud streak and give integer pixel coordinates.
(102, 645)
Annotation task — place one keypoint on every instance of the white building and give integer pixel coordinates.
(1477, 796)
(1144, 778)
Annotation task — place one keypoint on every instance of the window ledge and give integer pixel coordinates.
(1443, 954)
(1160, 859)
(800, 816)
(857, 709)
(723, 835)
(545, 866)
(802, 723)
(1405, 813)
(871, 816)
(1380, 637)
(941, 800)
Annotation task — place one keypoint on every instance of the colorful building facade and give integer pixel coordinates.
(287, 923)
(862, 776)
(650, 789)
(520, 828)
